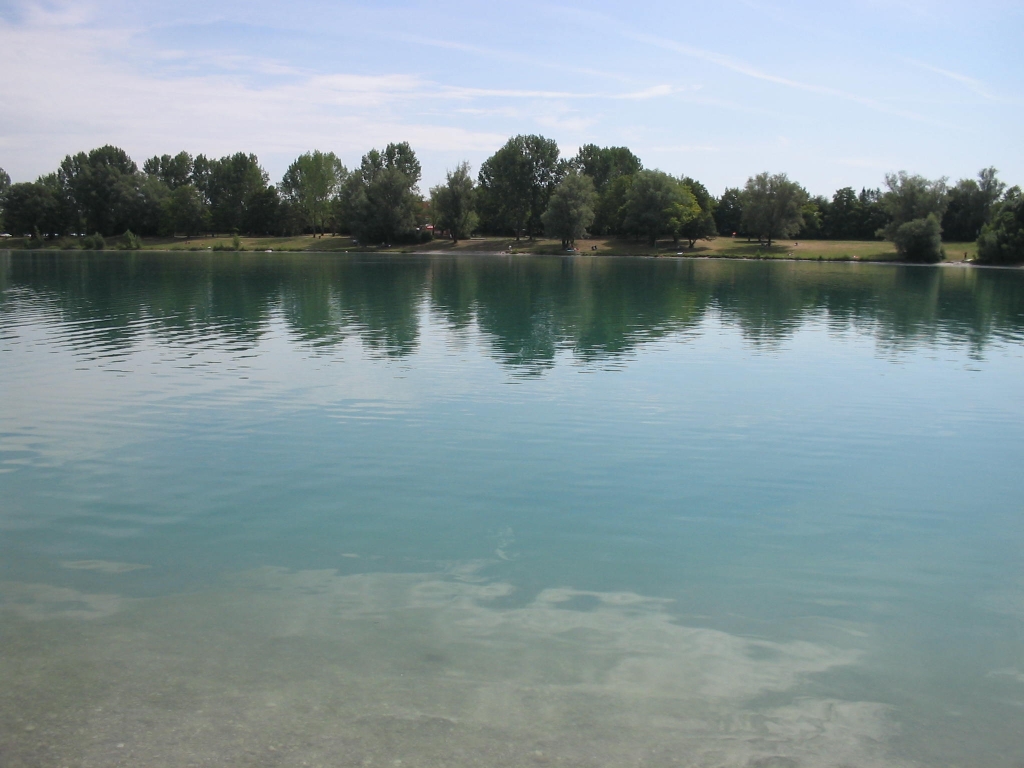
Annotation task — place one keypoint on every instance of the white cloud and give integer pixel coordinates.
(67, 91)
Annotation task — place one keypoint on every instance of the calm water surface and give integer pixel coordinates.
(264, 510)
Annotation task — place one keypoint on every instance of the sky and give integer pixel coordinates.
(832, 94)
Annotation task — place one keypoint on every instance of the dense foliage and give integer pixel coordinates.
(452, 204)
(915, 206)
(1002, 238)
(773, 206)
(571, 209)
(525, 189)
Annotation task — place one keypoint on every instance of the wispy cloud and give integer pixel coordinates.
(744, 68)
(653, 92)
(82, 93)
(512, 93)
(971, 83)
(687, 148)
(739, 66)
(492, 52)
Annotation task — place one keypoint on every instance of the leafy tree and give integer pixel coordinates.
(841, 219)
(5, 185)
(970, 205)
(229, 186)
(703, 224)
(31, 207)
(453, 204)
(814, 212)
(1002, 239)
(311, 184)
(919, 239)
(185, 210)
(657, 205)
(772, 206)
(104, 187)
(570, 209)
(873, 214)
(265, 213)
(729, 212)
(383, 197)
(173, 171)
(148, 215)
(605, 164)
(684, 212)
(516, 183)
(609, 217)
(914, 198)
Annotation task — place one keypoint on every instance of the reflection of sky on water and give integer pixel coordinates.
(806, 469)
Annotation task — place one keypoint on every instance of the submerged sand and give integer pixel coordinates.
(315, 668)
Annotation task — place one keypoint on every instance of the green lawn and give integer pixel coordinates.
(720, 247)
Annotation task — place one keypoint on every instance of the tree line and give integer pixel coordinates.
(525, 189)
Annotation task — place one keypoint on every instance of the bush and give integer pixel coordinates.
(1002, 239)
(132, 242)
(94, 242)
(920, 240)
(236, 242)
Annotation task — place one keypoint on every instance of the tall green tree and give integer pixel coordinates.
(453, 203)
(383, 196)
(31, 207)
(174, 171)
(609, 217)
(570, 209)
(229, 186)
(772, 206)
(5, 185)
(265, 213)
(311, 184)
(516, 182)
(104, 187)
(703, 224)
(656, 205)
(1002, 238)
(814, 210)
(729, 212)
(873, 215)
(970, 206)
(186, 211)
(605, 164)
(915, 206)
(842, 218)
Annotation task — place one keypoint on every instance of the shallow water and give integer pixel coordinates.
(350, 510)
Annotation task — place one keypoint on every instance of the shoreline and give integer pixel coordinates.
(494, 254)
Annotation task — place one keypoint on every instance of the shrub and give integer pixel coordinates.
(920, 240)
(131, 242)
(1002, 239)
(94, 242)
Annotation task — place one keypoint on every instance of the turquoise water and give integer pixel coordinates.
(264, 509)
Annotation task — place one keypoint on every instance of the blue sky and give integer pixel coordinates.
(834, 94)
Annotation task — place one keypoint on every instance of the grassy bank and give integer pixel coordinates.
(721, 247)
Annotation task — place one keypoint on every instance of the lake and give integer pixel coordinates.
(312, 509)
